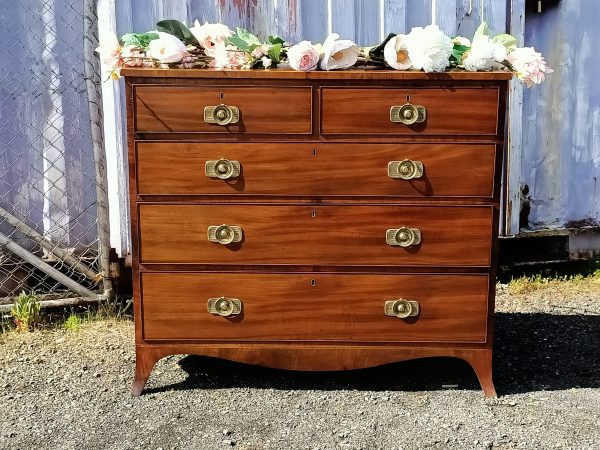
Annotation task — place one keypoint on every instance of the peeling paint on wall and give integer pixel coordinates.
(561, 119)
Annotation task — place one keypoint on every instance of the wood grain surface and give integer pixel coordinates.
(262, 109)
(315, 307)
(452, 111)
(317, 235)
(350, 74)
(316, 169)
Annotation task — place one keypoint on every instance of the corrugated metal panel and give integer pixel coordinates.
(561, 119)
(45, 137)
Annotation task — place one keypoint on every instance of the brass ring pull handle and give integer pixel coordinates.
(223, 169)
(403, 237)
(408, 114)
(401, 308)
(406, 169)
(221, 114)
(224, 234)
(224, 306)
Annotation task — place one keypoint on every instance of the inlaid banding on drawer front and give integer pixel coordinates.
(333, 235)
(449, 170)
(449, 111)
(262, 110)
(315, 307)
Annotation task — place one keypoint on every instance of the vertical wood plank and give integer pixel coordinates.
(287, 20)
(495, 14)
(343, 14)
(469, 17)
(367, 22)
(203, 11)
(234, 13)
(418, 13)
(512, 188)
(56, 219)
(111, 16)
(394, 16)
(266, 17)
(145, 13)
(313, 14)
(174, 9)
(446, 16)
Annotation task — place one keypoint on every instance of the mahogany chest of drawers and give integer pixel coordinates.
(315, 221)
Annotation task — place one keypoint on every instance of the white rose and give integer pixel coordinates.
(484, 54)
(303, 56)
(210, 34)
(266, 62)
(338, 54)
(395, 53)
(429, 48)
(167, 48)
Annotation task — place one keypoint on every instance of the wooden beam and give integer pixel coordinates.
(44, 267)
(512, 178)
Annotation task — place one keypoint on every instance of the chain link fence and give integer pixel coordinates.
(53, 226)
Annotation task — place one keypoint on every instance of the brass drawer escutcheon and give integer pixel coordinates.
(221, 114)
(224, 306)
(225, 234)
(403, 237)
(406, 169)
(408, 114)
(401, 308)
(223, 169)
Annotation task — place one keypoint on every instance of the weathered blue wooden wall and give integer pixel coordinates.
(561, 119)
(364, 21)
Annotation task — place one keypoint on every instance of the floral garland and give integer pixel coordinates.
(173, 44)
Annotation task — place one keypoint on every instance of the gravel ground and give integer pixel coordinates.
(70, 390)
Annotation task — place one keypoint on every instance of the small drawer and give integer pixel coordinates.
(444, 170)
(315, 307)
(334, 235)
(258, 110)
(442, 111)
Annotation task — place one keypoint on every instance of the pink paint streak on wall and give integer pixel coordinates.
(229, 5)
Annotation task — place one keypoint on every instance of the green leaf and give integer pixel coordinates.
(457, 54)
(482, 30)
(238, 42)
(179, 30)
(510, 42)
(274, 40)
(141, 40)
(275, 52)
(243, 40)
(376, 53)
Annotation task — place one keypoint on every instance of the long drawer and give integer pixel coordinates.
(267, 110)
(315, 307)
(343, 235)
(455, 111)
(402, 170)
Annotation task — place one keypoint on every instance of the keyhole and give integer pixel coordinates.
(314, 152)
(221, 95)
(408, 97)
(313, 282)
(313, 214)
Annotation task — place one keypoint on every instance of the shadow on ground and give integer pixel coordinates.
(532, 352)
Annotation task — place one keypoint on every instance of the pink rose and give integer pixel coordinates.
(530, 65)
(303, 56)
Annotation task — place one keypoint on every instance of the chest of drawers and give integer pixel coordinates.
(315, 221)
